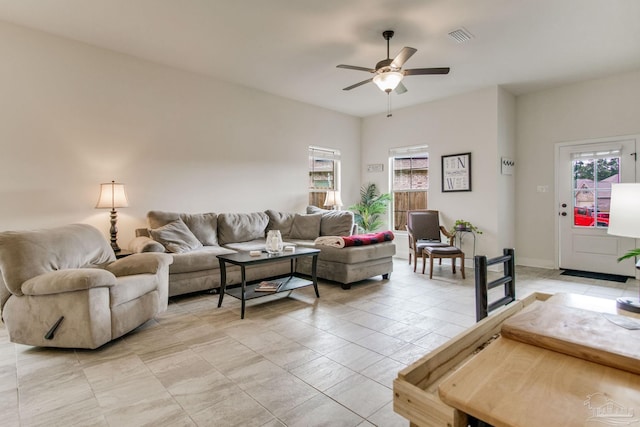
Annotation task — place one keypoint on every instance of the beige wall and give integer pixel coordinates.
(592, 109)
(459, 124)
(73, 116)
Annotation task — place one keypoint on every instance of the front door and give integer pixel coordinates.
(585, 174)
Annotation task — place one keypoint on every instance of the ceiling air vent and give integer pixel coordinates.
(461, 35)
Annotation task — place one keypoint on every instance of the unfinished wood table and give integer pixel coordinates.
(506, 382)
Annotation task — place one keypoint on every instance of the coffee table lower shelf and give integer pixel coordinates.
(290, 283)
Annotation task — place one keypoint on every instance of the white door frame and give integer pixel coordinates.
(556, 206)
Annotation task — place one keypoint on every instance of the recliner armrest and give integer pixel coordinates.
(144, 263)
(59, 281)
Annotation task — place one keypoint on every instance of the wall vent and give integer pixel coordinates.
(461, 35)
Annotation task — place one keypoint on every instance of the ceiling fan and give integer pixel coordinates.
(389, 72)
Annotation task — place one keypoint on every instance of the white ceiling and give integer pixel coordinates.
(291, 47)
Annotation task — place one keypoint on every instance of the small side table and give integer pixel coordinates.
(459, 234)
(123, 253)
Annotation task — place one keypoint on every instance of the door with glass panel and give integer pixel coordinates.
(585, 175)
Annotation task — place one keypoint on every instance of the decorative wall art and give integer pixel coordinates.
(456, 172)
(507, 166)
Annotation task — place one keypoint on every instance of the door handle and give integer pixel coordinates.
(563, 214)
(564, 205)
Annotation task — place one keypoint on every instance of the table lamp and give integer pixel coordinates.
(624, 220)
(333, 199)
(112, 196)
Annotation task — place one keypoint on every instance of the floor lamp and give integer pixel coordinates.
(112, 196)
(624, 220)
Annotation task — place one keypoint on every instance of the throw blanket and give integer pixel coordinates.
(355, 240)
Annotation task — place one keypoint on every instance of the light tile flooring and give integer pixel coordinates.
(297, 361)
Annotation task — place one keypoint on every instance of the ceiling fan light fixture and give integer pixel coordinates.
(388, 81)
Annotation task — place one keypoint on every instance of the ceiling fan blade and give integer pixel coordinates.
(403, 56)
(417, 71)
(353, 67)
(358, 84)
(400, 89)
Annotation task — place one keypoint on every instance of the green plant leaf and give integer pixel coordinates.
(373, 205)
(630, 254)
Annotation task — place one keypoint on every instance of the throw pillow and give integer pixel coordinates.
(241, 227)
(176, 237)
(306, 227)
(334, 223)
(202, 225)
(280, 221)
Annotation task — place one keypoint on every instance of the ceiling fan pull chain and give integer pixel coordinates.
(389, 104)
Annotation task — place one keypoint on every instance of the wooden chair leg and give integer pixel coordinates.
(415, 261)
(462, 265)
(431, 266)
(453, 264)
(424, 260)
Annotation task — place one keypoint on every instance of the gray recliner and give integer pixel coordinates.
(63, 287)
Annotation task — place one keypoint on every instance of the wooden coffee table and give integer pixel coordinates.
(247, 290)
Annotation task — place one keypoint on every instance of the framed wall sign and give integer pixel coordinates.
(456, 172)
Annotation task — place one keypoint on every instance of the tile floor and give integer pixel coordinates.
(297, 361)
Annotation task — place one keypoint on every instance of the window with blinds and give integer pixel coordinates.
(409, 182)
(324, 174)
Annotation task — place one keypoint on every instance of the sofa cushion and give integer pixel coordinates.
(334, 223)
(26, 254)
(176, 237)
(198, 260)
(241, 227)
(280, 221)
(251, 245)
(352, 254)
(203, 225)
(306, 227)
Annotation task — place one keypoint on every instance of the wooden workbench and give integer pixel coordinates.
(507, 383)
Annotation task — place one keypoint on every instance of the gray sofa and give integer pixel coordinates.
(194, 240)
(63, 287)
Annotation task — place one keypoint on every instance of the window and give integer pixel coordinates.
(324, 174)
(409, 182)
(593, 174)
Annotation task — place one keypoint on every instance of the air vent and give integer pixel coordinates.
(461, 35)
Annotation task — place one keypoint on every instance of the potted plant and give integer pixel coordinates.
(373, 205)
(462, 225)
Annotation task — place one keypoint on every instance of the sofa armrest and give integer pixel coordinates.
(59, 281)
(147, 263)
(142, 244)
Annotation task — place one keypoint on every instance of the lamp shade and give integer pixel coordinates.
(624, 213)
(112, 195)
(388, 81)
(333, 198)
